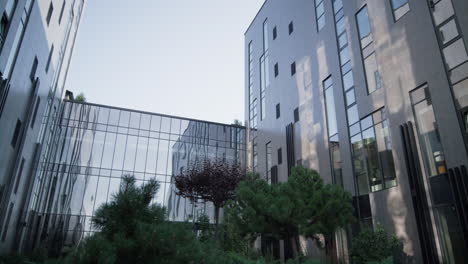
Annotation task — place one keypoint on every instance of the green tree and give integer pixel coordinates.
(373, 245)
(134, 231)
(80, 98)
(324, 207)
(304, 205)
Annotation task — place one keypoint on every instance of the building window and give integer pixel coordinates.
(429, 138)
(61, 11)
(293, 68)
(400, 8)
(3, 29)
(38, 103)
(372, 153)
(333, 138)
(280, 156)
(6, 18)
(275, 33)
(16, 133)
(265, 35)
(320, 14)
(254, 155)
(291, 28)
(50, 58)
(32, 74)
(264, 84)
(49, 13)
(252, 100)
(264, 71)
(367, 49)
(18, 178)
(276, 70)
(7, 222)
(278, 111)
(268, 161)
(296, 115)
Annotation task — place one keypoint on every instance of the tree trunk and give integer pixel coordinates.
(293, 245)
(330, 250)
(217, 222)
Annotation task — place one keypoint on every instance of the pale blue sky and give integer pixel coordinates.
(179, 57)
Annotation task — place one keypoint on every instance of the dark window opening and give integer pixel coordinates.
(280, 156)
(291, 28)
(61, 12)
(7, 222)
(275, 33)
(293, 68)
(3, 28)
(49, 13)
(32, 75)
(276, 70)
(296, 115)
(49, 59)
(18, 178)
(278, 111)
(33, 121)
(16, 133)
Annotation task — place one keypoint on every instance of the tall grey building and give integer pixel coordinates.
(36, 45)
(374, 96)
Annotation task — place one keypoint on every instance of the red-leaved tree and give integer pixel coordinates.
(210, 180)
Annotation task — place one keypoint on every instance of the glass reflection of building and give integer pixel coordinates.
(95, 145)
(200, 141)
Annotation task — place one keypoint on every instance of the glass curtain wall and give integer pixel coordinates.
(97, 145)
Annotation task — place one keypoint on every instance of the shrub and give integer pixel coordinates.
(373, 245)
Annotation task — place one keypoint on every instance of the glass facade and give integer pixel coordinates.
(97, 145)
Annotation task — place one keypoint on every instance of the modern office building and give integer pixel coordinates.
(36, 44)
(374, 96)
(95, 145)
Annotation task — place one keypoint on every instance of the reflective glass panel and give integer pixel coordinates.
(130, 153)
(108, 150)
(135, 120)
(429, 138)
(162, 156)
(124, 118)
(140, 160)
(119, 152)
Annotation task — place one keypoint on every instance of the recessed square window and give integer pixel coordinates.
(296, 115)
(291, 28)
(275, 33)
(293, 68)
(278, 111)
(276, 70)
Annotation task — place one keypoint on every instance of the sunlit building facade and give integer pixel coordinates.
(95, 145)
(37, 39)
(374, 96)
